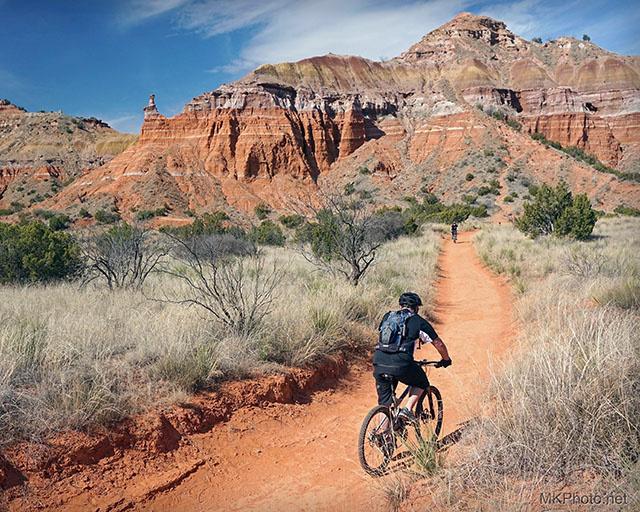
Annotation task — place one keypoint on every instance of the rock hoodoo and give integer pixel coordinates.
(150, 109)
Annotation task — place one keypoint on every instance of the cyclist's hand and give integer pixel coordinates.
(443, 363)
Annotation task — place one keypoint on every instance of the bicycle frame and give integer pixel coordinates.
(419, 405)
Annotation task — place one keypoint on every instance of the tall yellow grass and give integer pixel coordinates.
(566, 408)
(71, 357)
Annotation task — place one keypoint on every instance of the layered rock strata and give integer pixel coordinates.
(275, 133)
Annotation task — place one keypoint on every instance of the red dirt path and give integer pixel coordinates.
(302, 456)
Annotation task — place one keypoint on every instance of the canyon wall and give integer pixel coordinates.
(276, 133)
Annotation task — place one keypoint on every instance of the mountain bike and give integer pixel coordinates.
(454, 236)
(383, 431)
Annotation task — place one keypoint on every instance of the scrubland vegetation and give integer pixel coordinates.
(79, 352)
(565, 409)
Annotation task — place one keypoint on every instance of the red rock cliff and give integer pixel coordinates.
(273, 134)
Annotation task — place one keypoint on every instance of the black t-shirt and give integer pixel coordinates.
(415, 324)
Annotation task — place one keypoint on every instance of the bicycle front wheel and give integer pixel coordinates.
(429, 411)
(376, 441)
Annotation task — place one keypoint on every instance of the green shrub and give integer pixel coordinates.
(499, 115)
(557, 212)
(5, 211)
(364, 170)
(209, 224)
(59, 222)
(578, 220)
(537, 40)
(36, 253)
(488, 152)
(268, 233)
(455, 213)
(349, 189)
(469, 199)
(627, 210)
(469, 177)
(262, 211)
(84, 213)
(143, 215)
(291, 221)
(514, 124)
(533, 190)
(479, 211)
(508, 199)
(104, 217)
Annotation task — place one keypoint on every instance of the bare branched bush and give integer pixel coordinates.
(73, 357)
(581, 262)
(124, 256)
(345, 238)
(231, 281)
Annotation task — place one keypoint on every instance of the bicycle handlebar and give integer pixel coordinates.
(424, 362)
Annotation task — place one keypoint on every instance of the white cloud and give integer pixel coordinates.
(604, 22)
(136, 11)
(289, 30)
(307, 30)
(126, 124)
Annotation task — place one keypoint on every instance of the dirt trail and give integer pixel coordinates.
(302, 456)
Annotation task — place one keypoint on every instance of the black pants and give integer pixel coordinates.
(412, 375)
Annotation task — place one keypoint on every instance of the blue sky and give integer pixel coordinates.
(104, 57)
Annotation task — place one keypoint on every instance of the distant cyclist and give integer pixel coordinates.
(396, 357)
(454, 232)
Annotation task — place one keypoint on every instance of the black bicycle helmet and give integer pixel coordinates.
(410, 300)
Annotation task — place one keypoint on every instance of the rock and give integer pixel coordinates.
(282, 129)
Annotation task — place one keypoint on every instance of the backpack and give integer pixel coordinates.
(393, 330)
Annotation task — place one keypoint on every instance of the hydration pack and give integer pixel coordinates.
(393, 331)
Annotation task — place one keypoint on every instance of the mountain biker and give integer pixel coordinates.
(454, 231)
(401, 364)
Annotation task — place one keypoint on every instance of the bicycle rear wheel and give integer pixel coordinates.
(376, 441)
(429, 411)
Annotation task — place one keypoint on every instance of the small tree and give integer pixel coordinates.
(262, 211)
(585, 37)
(578, 220)
(34, 252)
(555, 211)
(342, 240)
(537, 40)
(268, 233)
(124, 256)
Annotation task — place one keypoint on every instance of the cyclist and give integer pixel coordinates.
(454, 232)
(401, 363)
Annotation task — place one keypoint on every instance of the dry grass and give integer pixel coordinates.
(72, 357)
(566, 408)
